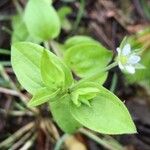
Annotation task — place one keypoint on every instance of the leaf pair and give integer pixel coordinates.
(39, 70)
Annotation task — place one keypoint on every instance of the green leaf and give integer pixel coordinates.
(42, 96)
(85, 92)
(61, 113)
(78, 39)
(52, 68)
(25, 59)
(85, 59)
(52, 74)
(26, 62)
(20, 32)
(107, 114)
(41, 19)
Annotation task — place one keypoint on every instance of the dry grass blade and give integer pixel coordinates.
(100, 141)
(52, 129)
(22, 140)
(16, 135)
(9, 91)
(29, 143)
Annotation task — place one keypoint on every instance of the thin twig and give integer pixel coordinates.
(4, 51)
(17, 113)
(19, 106)
(9, 91)
(98, 140)
(18, 7)
(21, 141)
(13, 86)
(4, 17)
(16, 135)
(52, 129)
(29, 143)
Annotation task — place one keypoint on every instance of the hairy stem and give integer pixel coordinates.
(93, 76)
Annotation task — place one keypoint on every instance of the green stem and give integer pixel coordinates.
(7, 78)
(94, 76)
(55, 48)
(79, 15)
(46, 45)
(4, 51)
(113, 83)
(60, 142)
(5, 63)
(18, 7)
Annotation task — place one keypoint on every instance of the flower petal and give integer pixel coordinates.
(126, 50)
(134, 59)
(130, 69)
(120, 65)
(119, 51)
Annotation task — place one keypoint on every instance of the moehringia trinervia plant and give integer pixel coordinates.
(73, 103)
(49, 78)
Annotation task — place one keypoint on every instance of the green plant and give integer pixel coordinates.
(74, 103)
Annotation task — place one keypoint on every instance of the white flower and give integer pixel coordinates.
(127, 60)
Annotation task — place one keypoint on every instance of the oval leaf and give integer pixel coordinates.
(52, 75)
(85, 59)
(41, 19)
(25, 59)
(61, 113)
(20, 32)
(48, 62)
(107, 114)
(78, 39)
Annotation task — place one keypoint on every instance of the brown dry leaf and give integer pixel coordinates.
(73, 143)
